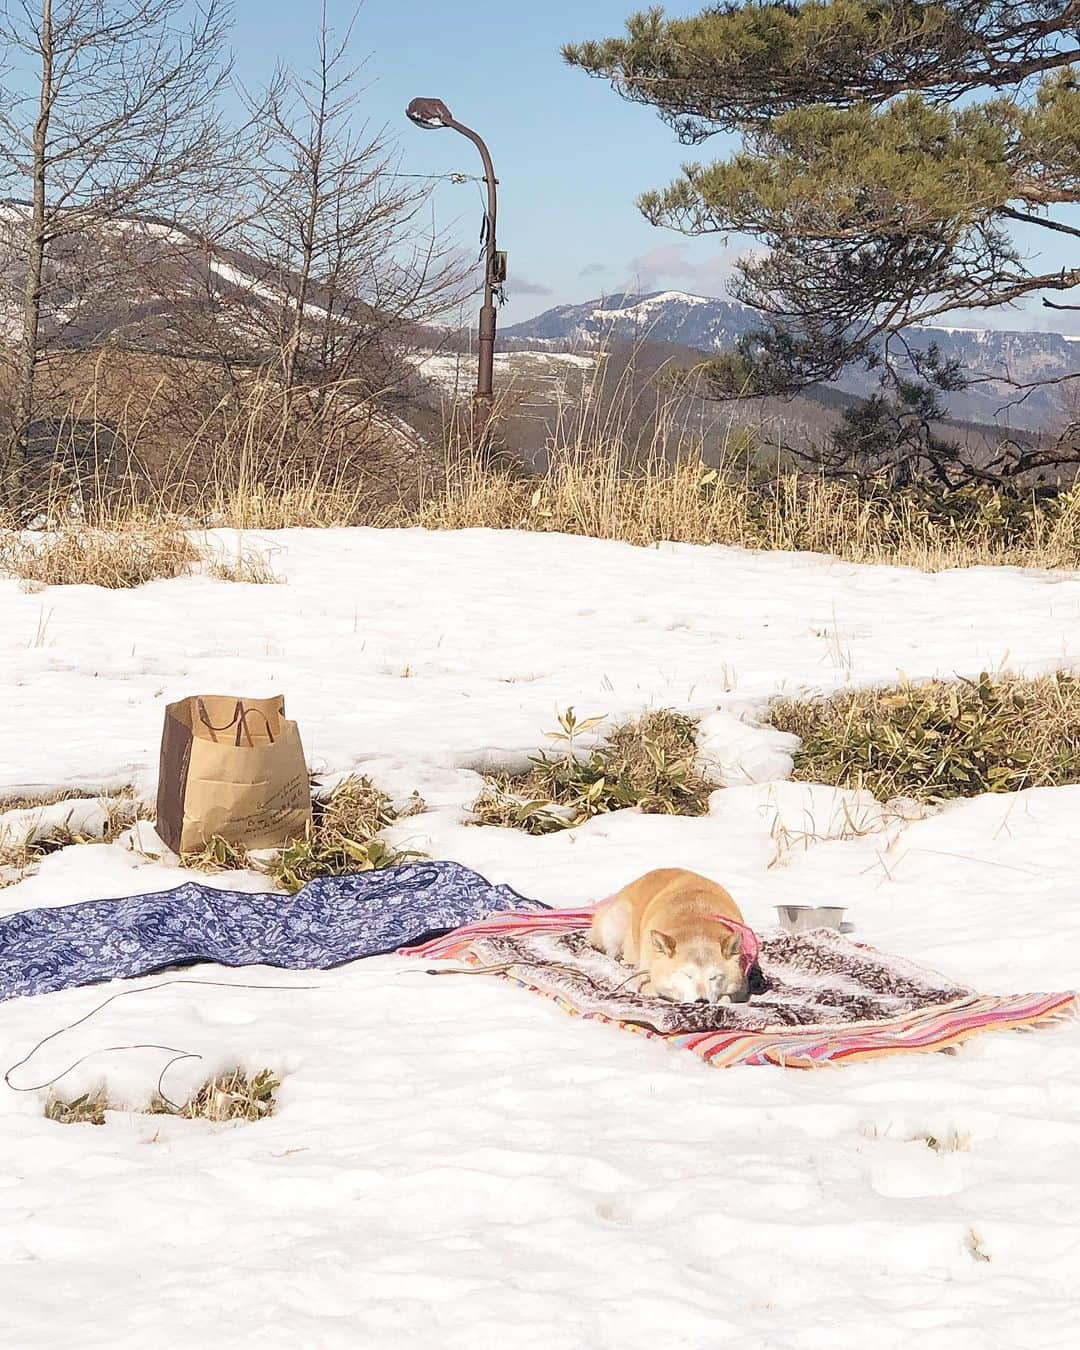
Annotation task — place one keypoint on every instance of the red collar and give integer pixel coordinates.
(750, 944)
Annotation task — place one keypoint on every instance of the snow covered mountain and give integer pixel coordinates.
(696, 321)
(666, 316)
(150, 285)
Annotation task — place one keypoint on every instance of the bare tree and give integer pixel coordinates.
(108, 109)
(335, 230)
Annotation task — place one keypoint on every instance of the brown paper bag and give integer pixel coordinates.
(232, 768)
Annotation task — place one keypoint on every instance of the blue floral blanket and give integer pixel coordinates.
(331, 921)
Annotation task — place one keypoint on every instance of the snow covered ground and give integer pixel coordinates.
(458, 1164)
(455, 372)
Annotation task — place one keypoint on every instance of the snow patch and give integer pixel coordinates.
(454, 1150)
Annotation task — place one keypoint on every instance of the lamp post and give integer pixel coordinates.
(432, 114)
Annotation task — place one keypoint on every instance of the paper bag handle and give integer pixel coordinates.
(238, 720)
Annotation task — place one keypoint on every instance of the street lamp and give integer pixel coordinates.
(432, 114)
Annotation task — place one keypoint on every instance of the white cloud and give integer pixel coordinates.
(673, 263)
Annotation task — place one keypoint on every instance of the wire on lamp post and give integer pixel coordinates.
(432, 114)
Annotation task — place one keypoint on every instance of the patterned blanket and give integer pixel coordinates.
(331, 921)
(824, 998)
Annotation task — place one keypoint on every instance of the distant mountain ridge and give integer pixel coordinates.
(711, 325)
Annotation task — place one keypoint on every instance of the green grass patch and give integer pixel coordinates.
(941, 739)
(344, 838)
(649, 763)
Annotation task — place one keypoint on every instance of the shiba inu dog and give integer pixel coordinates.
(683, 932)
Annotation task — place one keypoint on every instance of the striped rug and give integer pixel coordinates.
(829, 1000)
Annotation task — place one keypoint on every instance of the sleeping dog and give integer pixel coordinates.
(684, 933)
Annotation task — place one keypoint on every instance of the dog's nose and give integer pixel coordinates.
(702, 998)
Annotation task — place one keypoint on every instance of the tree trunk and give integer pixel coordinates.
(14, 467)
(311, 224)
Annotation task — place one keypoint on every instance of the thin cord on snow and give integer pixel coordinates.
(177, 1055)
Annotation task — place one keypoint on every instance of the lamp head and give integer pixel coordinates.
(429, 113)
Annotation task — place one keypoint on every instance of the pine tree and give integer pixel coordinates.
(888, 151)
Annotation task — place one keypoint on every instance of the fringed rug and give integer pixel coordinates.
(827, 999)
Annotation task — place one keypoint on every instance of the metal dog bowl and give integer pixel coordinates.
(801, 918)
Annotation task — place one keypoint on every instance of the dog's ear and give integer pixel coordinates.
(664, 944)
(731, 944)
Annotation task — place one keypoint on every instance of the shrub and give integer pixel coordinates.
(940, 739)
(648, 763)
(343, 837)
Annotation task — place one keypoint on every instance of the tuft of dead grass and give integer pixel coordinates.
(648, 763)
(78, 555)
(940, 739)
(232, 1096)
(344, 837)
(229, 1096)
(89, 1109)
(250, 569)
(218, 855)
(20, 856)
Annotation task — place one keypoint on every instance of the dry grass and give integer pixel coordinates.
(89, 1109)
(296, 497)
(601, 481)
(77, 555)
(19, 857)
(218, 855)
(685, 501)
(127, 552)
(951, 1141)
(257, 461)
(228, 1097)
(976, 1246)
(940, 739)
(159, 438)
(251, 569)
(24, 802)
(345, 836)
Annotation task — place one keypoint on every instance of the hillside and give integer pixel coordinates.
(708, 325)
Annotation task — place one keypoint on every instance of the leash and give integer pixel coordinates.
(177, 1055)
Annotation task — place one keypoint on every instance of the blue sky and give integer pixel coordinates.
(570, 155)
